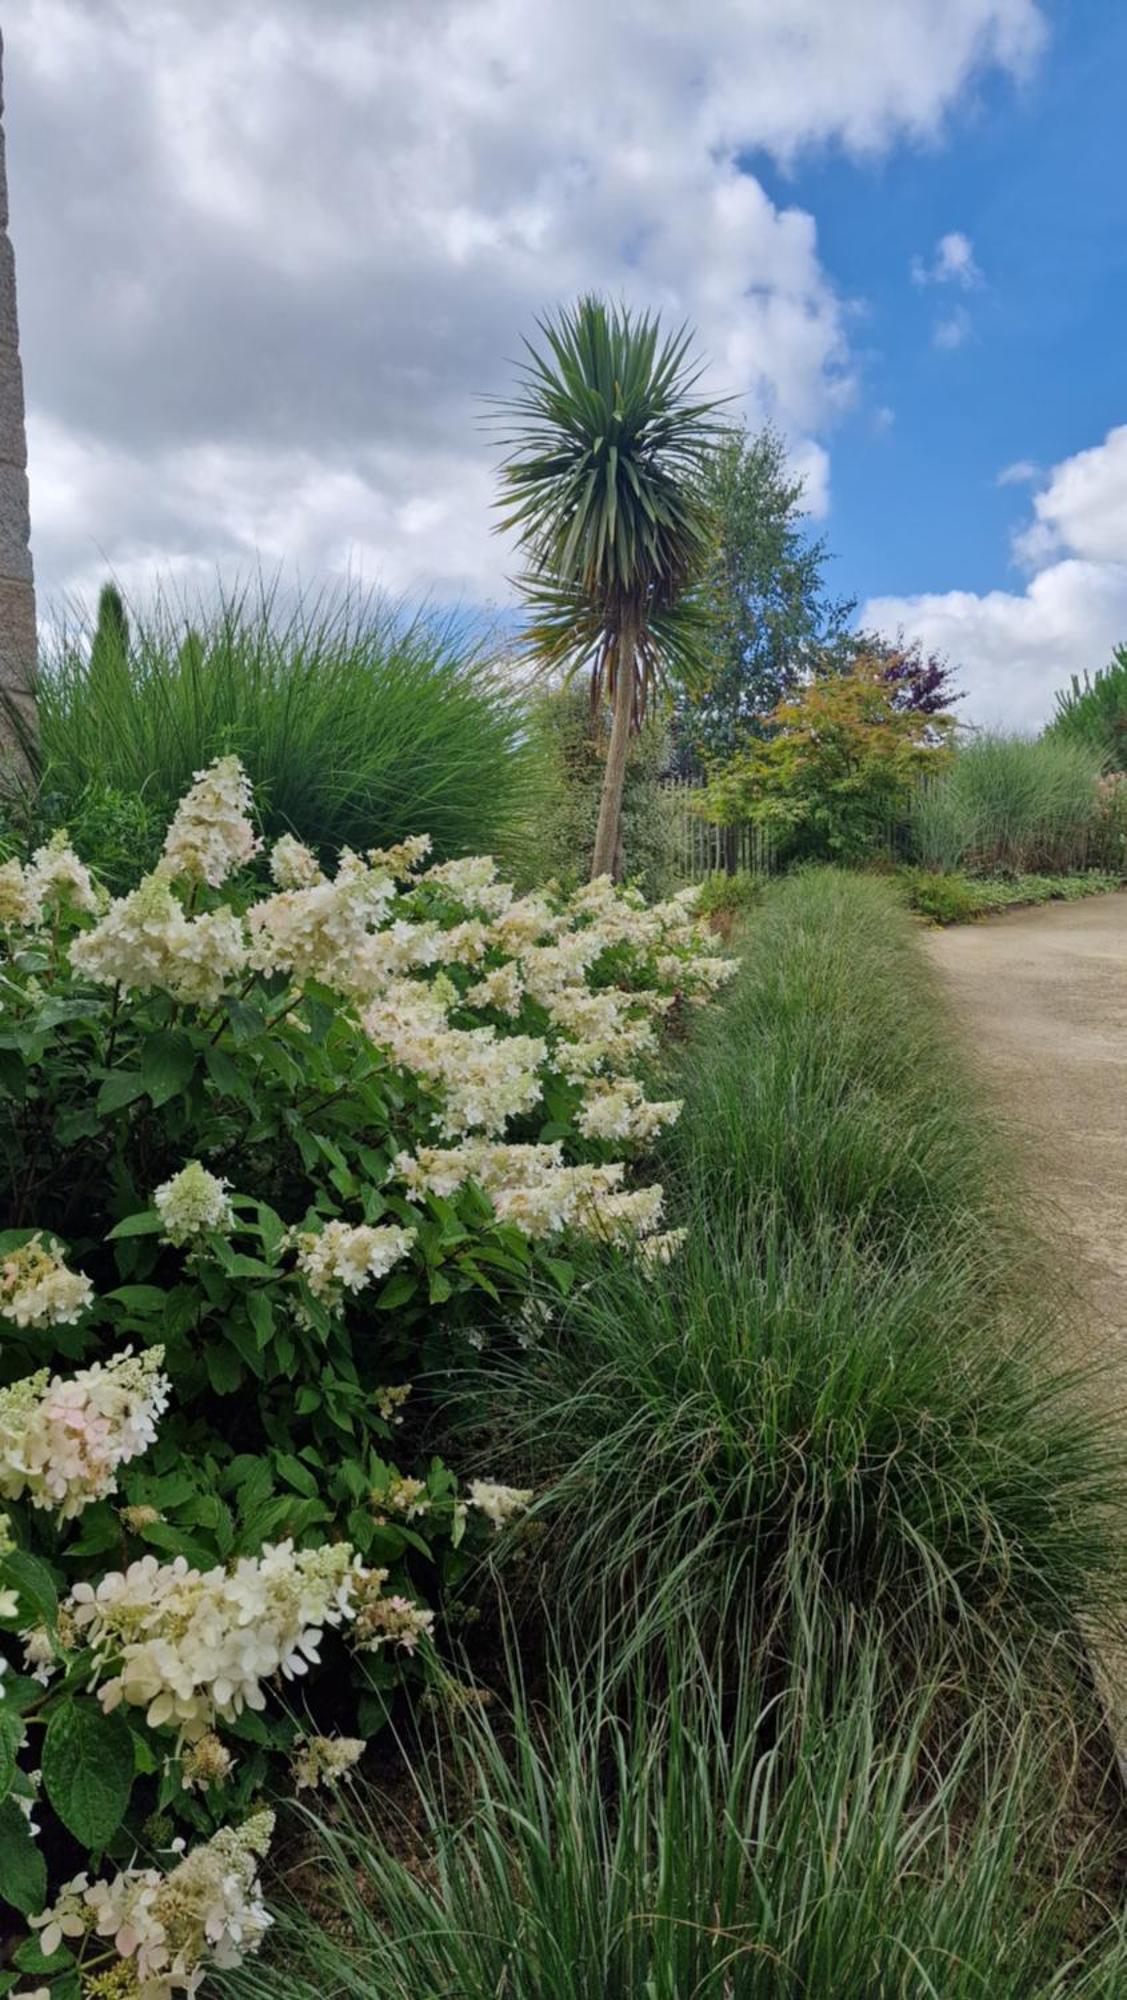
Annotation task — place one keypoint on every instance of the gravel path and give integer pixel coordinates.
(1042, 995)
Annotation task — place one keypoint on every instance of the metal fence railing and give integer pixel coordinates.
(702, 849)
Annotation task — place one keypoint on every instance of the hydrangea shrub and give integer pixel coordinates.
(268, 1150)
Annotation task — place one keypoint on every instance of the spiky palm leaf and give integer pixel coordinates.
(605, 444)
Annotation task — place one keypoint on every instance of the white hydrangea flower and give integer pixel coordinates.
(191, 1646)
(402, 859)
(37, 1290)
(205, 1763)
(325, 1760)
(499, 1503)
(661, 1249)
(387, 1621)
(62, 1438)
(502, 988)
(19, 906)
(207, 1911)
(617, 1108)
(191, 1202)
(146, 943)
(317, 932)
(211, 834)
(343, 1257)
(56, 879)
(293, 865)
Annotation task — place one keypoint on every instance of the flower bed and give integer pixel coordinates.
(267, 1153)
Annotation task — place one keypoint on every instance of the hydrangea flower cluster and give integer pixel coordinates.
(207, 1911)
(190, 1646)
(531, 1188)
(37, 1290)
(211, 835)
(62, 1439)
(344, 1258)
(388, 1621)
(192, 1202)
(481, 996)
(146, 943)
(54, 880)
(499, 1504)
(325, 1760)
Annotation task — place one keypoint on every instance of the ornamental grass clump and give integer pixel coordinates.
(268, 1155)
(359, 722)
(852, 1368)
(700, 1833)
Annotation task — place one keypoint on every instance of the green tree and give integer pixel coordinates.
(771, 621)
(602, 481)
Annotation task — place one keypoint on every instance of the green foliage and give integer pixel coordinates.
(851, 1361)
(1010, 804)
(713, 1836)
(360, 724)
(1092, 712)
(770, 621)
(838, 769)
(571, 756)
(959, 899)
(729, 897)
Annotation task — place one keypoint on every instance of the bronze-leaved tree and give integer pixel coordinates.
(605, 446)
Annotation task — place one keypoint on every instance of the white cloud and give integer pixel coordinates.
(1021, 473)
(1016, 648)
(953, 331)
(265, 268)
(953, 263)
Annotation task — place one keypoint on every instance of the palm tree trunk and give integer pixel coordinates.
(607, 858)
(17, 590)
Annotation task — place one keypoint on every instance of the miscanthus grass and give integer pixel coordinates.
(362, 725)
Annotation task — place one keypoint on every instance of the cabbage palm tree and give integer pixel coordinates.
(605, 448)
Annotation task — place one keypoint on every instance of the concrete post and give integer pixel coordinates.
(17, 586)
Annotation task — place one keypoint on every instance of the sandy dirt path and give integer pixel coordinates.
(1042, 995)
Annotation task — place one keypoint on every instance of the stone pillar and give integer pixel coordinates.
(17, 587)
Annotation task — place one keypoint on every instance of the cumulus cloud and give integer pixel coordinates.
(267, 259)
(1016, 648)
(952, 264)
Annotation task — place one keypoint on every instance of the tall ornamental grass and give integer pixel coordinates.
(710, 1839)
(851, 1369)
(1012, 804)
(1093, 712)
(361, 724)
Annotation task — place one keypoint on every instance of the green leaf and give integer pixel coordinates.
(140, 1298)
(401, 1286)
(13, 1075)
(296, 1474)
(225, 1371)
(23, 1871)
(88, 1770)
(167, 1062)
(33, 1584)
(146, 1224)
(123, 1088)
(11, 1736)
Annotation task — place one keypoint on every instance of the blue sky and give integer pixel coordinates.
(1032, 174)
(267, 273)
